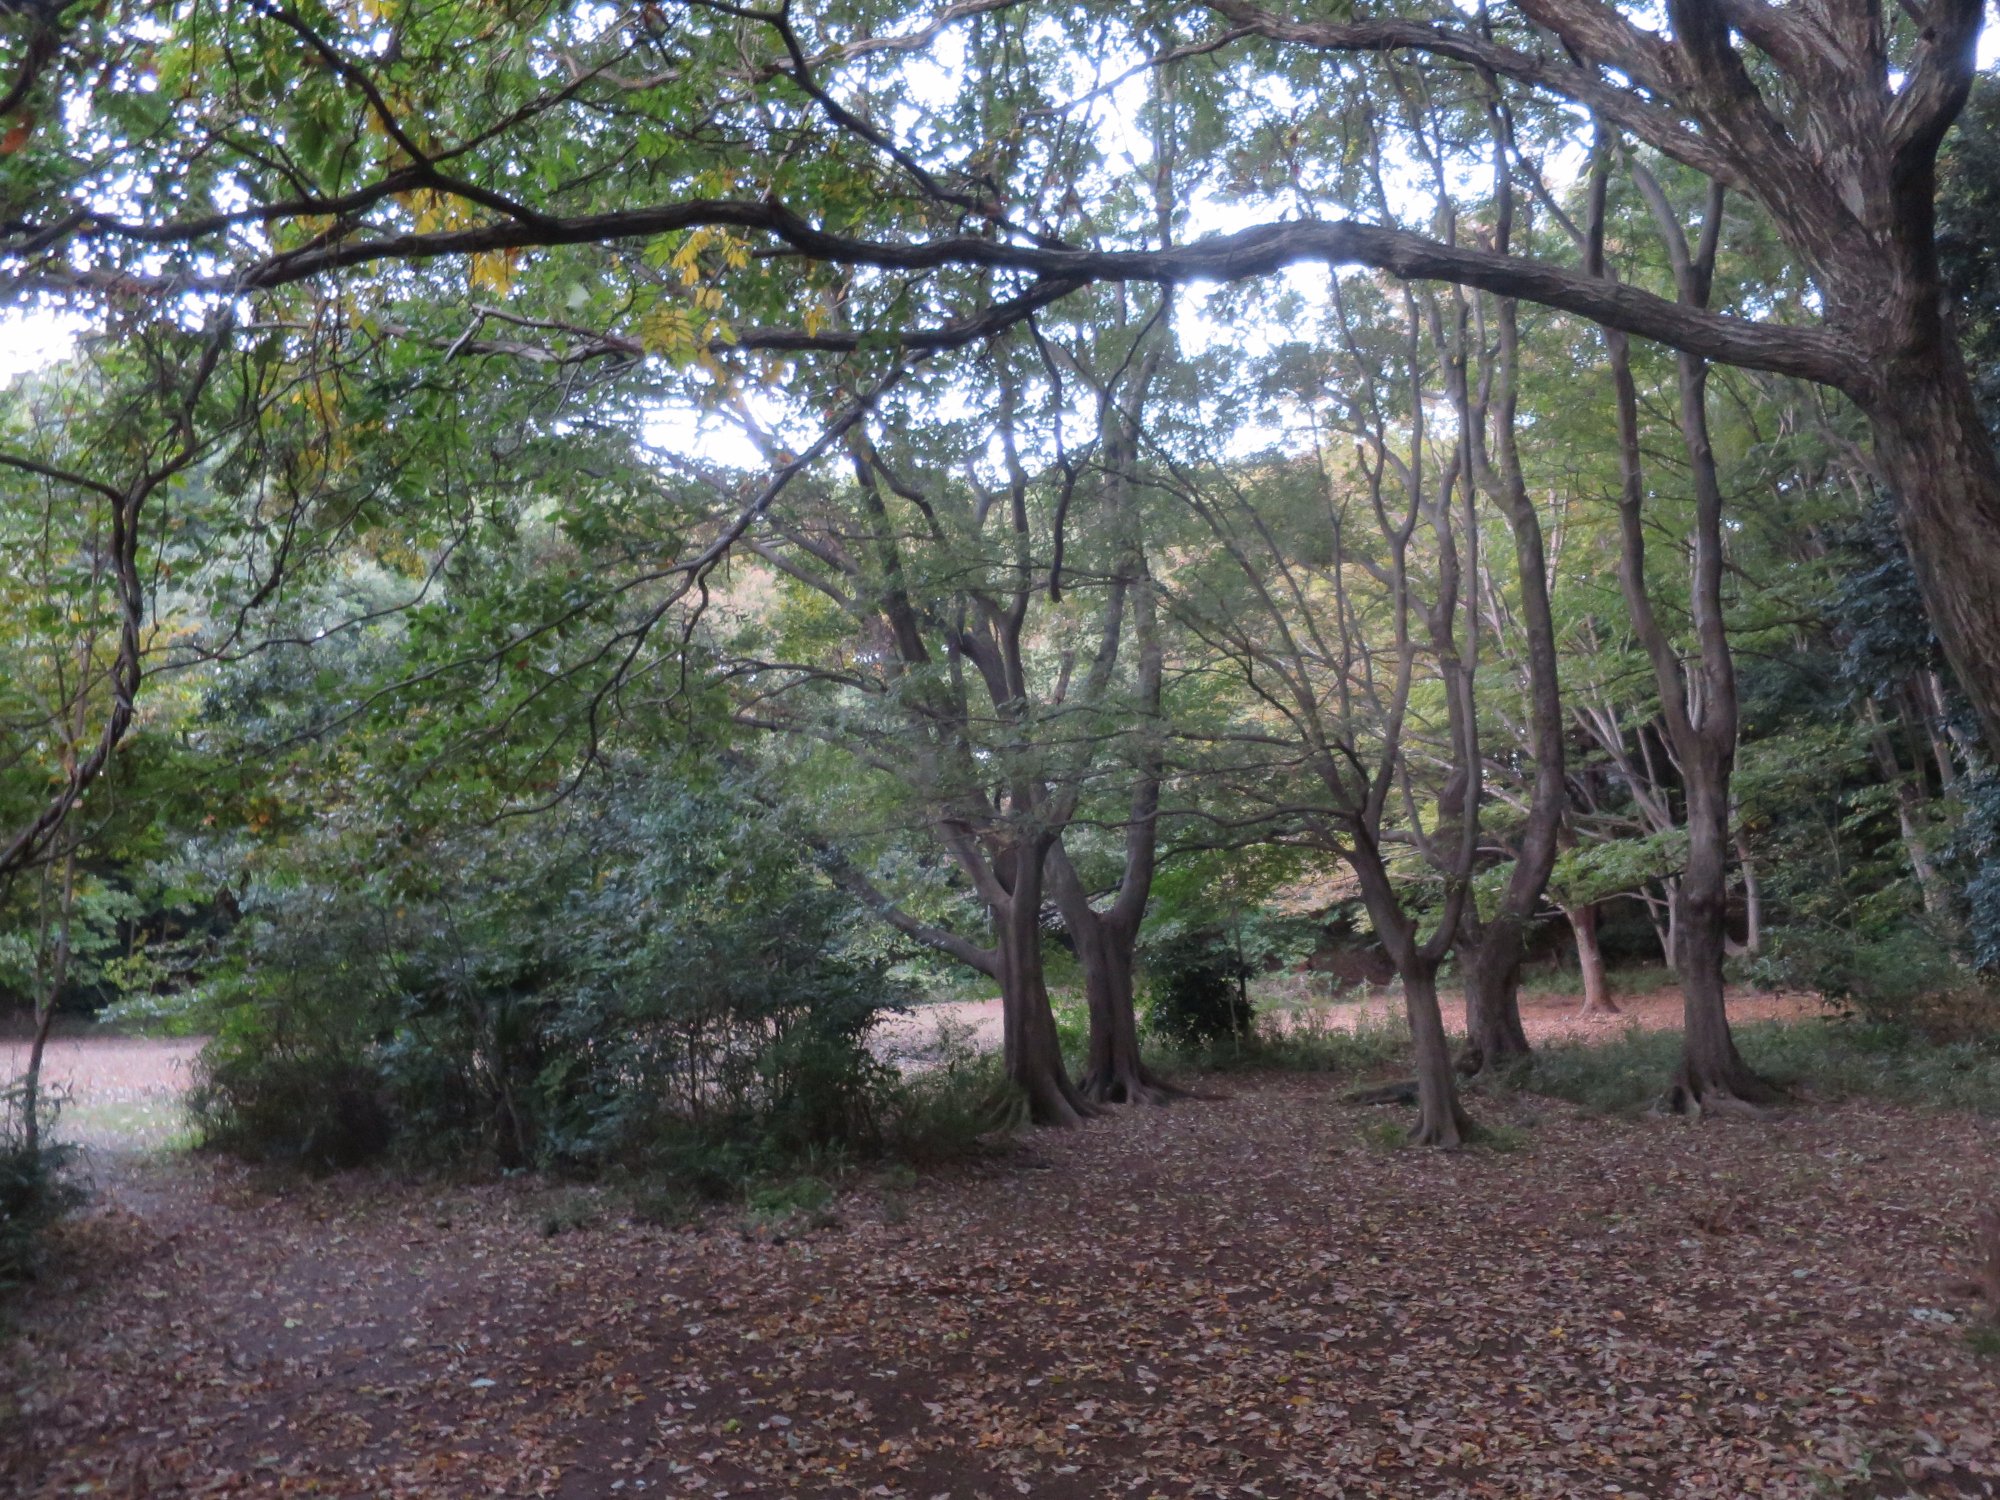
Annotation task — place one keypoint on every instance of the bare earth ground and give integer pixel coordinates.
(1235, 1295)
(115, 1092)
(1546, 1017)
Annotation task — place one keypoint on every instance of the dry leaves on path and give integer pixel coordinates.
(1226, 1297)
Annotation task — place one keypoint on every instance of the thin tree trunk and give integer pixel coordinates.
(1700, 707)
(1597, 999)
(1909, 815)
(1441, 1119)
(1753, 897)
(46, 1000)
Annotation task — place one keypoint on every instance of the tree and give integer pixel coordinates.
(445, 140)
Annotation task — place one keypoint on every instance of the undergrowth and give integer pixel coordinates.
(1300, 1042)
(1815, 1059)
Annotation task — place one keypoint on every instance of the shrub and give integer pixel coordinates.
(1197, 990)
(1832, 1059)
(655, 980)
(35, 1188)
(1902, 974)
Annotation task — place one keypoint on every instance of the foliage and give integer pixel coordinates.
(36, 1187)
(1905, 975)
(1821, 1060)
(650, 976)
(1196, 990)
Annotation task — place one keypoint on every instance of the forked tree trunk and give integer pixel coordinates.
(1597, 999)
(1031, 1051)
(1698, 701)
(1115, 1071)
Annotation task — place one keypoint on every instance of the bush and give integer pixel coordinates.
(320, 1112)
(656, 980)
(35, 1189)
(1902, 974)
(1196, 986)
(1303, 1041)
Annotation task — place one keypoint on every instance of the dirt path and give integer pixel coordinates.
(1234, 1296)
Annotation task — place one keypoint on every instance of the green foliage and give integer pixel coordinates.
(36, 1188)
(1304, 1042)
(1824, 1060)
(1904, 974)
(651, 976)
(1195, 990)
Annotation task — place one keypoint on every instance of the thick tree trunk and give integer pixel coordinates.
(1712, 1073)
(1939, 460)
(1597, 999)
(1115, 1072)
(1491, 966)
(1441, 1120)
(1031, 1052)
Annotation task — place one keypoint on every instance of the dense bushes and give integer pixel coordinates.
(652, 978)
(1196, 986)
(34, 1187)
(1901, 973)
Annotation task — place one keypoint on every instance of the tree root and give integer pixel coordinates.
(1752, 1099)
(1128, 1088)
(1388, 1093)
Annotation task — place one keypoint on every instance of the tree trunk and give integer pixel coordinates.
(1597, 999)
(1938, 459)
(1115, 1072)
(1492, 969)
(1712, 1073)
(1441, 1120)
(46, 1000)
(1031, 1052)
(1753, 898)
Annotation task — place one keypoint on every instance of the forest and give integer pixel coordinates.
(952, 748)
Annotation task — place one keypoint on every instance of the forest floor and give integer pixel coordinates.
(1243, 1294)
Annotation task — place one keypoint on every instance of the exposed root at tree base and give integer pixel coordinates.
(1444, 1135)
(1744, 1098)
(1404, 1092)
(1128, 1087)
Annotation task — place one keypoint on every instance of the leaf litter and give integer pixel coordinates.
(1242, 1296)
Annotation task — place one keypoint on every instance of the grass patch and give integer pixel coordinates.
(1385, 1136)
(1302, 1042)
(1817, 1059)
